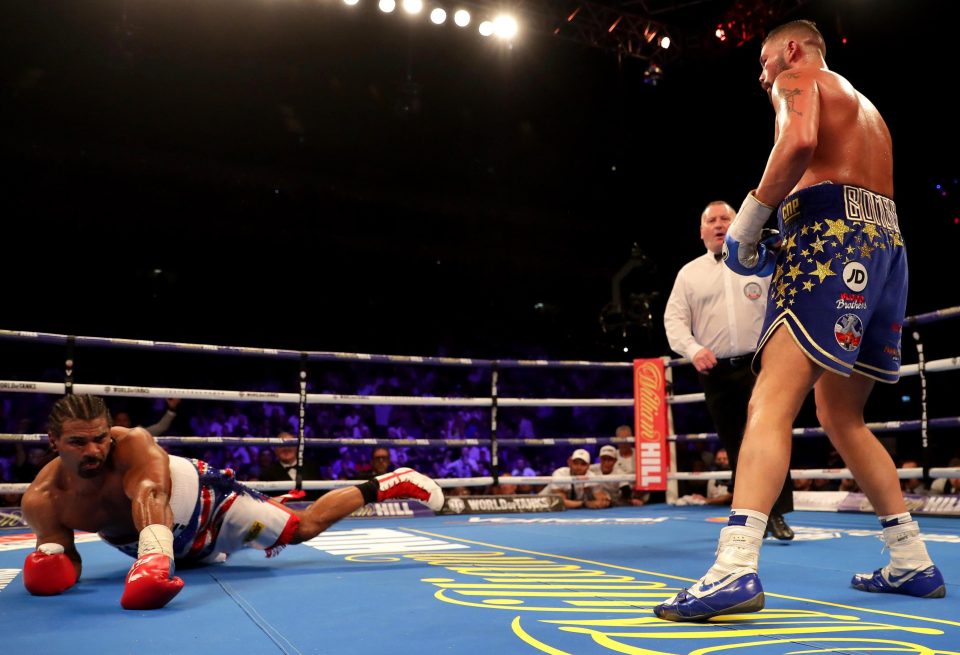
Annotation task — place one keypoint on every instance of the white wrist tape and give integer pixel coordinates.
(156, 538)
(50, 549)
(751, 218)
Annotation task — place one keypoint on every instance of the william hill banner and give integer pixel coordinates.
(650, 423)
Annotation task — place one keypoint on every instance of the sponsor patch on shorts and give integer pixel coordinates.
(752, 290)
(855, 276)
(851, 301)
(253, 532)
(848, 331)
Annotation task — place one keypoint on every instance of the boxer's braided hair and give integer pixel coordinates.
(78, 407)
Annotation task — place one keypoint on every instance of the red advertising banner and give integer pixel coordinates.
(650, 424)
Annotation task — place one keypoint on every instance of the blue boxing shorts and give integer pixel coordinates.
(214, 515)
(840, 285)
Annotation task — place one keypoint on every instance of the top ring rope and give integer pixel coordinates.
(57, 388)
(932, 317)
(319, 355)
(279, 353)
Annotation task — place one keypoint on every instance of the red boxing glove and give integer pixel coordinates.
(47, 571)
(149, 583)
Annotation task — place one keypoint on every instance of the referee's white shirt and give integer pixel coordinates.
(712, 307)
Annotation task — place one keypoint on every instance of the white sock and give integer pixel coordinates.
(738, 553)
(907, 550)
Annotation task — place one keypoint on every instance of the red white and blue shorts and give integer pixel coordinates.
(214, 515)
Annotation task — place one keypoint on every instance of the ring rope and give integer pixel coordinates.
(887, 426)
(208, 349)
(57, 388)
(932, 317)
(71, 341)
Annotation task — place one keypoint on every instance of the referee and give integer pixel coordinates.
(713, 317)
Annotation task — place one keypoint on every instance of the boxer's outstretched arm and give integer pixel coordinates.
(146, 478)
(796, 99)
(151, 583)
(55, 565)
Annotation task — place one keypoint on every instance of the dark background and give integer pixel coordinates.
(312, 176)
(304, 175)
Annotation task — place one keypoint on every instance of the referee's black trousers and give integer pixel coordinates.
(727, 389)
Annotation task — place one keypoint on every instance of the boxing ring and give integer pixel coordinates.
(580, 581)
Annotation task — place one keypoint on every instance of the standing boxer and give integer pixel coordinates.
(832, 323)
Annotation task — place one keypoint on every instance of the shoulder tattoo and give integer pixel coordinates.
(788, 98)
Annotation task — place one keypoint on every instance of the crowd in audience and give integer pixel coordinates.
(26, 414)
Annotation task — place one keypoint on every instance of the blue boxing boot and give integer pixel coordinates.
(911, 571)
(731, 586)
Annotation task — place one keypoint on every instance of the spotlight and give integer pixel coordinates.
(438, 16)
(721, 34)
(486, 28)
(505, 27)
(387, 6)
(461, 17)
(350, 2)
(413, 6)
(665, 42)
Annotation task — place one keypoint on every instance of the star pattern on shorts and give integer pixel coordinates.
(782, 287)
(871, 230)
(819, 244)
(838, 229)
(823, 270)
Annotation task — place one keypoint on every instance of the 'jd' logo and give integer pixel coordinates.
(855, 276)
